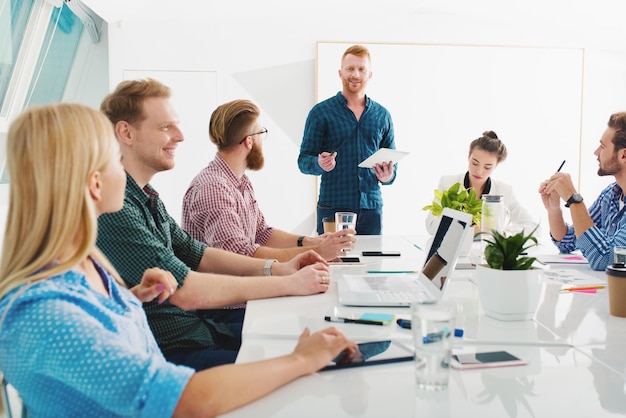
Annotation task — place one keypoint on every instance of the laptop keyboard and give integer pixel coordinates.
(391, 296)
(405, 291)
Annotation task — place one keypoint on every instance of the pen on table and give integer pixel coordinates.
(584, 287)
(406, 324)
(392, 271)
(417, 246)
(352, 321)
(583, 290)
(560, 167)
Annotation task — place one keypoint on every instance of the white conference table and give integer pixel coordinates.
(576, 353)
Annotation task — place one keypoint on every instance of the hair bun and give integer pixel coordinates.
(490, 134)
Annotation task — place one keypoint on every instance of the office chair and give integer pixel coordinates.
(12, 401)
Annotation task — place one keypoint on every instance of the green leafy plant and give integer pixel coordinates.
(458, 198)
(509, 253)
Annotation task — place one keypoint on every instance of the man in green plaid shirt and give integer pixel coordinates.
(190, 327)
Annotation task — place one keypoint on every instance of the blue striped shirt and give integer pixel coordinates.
(332, 126)
(609, 230)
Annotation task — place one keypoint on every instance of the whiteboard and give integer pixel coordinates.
(441, 97)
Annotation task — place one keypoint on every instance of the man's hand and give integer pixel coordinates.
(383, 171)
(330, 245)
(557, 187)
(300, 261)
(326, 160)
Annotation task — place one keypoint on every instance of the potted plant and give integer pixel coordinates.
(458, 198)
(509, 286)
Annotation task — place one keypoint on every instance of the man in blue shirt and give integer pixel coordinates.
(339, 133)
(595, 231)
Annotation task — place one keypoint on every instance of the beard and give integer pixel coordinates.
(354, 90)
(255, 159)
(610, 168)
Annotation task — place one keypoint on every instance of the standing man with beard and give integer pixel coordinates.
(220, 208)
(339, 133)
(595, 231)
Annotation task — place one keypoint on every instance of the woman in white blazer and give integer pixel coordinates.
(485, 153)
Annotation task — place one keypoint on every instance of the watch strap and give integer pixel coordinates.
(267, 268)
(574, 198)
(300, 239)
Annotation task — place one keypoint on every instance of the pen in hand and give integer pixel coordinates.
(560, 167)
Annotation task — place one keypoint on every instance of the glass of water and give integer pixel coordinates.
(345, 220)
(619, 255)
(433, 333)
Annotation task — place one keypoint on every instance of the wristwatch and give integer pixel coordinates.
(575, 198)
(267, 268)
(300, 239)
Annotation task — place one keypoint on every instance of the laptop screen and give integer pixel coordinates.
(446, 245)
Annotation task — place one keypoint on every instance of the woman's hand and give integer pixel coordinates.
(155, 282)
(317, 350)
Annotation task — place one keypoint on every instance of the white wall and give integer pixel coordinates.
(452, 97)
(265, 51)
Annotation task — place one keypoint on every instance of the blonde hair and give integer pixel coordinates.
(52, 223)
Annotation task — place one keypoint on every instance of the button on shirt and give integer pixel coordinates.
(332, 126)
(609, 230)
(72, 352)
(143, 235)
(221, 210)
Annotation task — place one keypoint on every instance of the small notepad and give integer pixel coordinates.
(380, 317)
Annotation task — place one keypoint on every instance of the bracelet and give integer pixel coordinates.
(267, 268)
(300, 239)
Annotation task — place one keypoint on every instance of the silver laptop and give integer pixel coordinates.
(403, 289)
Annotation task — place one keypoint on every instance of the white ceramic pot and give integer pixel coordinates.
(509, 295)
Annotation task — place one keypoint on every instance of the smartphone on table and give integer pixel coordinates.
(350, 260)
(486, 359)
(381, 253)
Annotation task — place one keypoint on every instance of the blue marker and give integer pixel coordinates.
(406, 324)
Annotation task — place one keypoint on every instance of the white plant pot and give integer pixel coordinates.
(509, 295)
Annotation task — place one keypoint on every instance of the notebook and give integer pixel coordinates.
(403, 289)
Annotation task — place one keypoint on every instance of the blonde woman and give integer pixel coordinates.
(73, 340)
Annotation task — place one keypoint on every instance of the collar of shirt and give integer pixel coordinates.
(220, 164)
(466, 183)
(342, 99)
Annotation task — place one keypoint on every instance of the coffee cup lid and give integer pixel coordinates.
(618, 270)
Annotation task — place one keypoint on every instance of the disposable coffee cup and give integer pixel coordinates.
(329, 224)
(434, 266)
(616, 276)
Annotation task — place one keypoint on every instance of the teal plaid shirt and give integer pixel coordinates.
(331, 126)
(143, 235)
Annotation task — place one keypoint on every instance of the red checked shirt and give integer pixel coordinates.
(221, 210)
